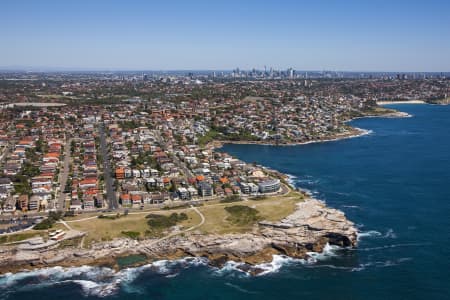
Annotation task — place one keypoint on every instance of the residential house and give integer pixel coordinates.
(22, 202)
(205, 189)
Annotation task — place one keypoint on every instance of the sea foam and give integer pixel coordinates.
(94, 281)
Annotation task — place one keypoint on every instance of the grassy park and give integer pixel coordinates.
(220, 218)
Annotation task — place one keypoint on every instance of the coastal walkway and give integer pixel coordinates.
(148, 250)
(285, 190)
(65, 224)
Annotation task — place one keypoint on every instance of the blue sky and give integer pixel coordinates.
(353, 35)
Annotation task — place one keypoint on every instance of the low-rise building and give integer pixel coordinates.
(183, 193)
(205, 189)
(22, 202)
(269, 186)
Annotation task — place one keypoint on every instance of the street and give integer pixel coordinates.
(109, 181)
(63, 176)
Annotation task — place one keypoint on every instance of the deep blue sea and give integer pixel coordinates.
(394, 183)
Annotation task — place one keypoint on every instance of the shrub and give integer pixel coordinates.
(48, 223)
(160, 222)
(185, 205)
(117, 216)
(258, 198)
(242, 215)
(45, 224)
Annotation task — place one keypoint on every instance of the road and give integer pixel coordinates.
(5, 153)
(107, 173)
(63, 176)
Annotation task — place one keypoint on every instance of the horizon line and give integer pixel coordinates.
(63, 69)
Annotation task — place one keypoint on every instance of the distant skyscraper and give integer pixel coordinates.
(290, 73)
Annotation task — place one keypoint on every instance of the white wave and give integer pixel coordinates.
(95, 281)
(55, 273)
(240, 289)
(308, 181)
(291, 180)
(390, 234)
(370, 233)
(318, 266)
(350, 206)
(392, 246)
(278, 261)
(162, 266)
(192, 261)
(308, 192)
(403, 259)
(373, 233)
(328, 251)
(381, 264)
(91, 288)
(363, 266)
(342, 194)
(231, 267)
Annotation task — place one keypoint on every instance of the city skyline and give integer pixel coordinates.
(405, 36)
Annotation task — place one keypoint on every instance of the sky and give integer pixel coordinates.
(336, 35)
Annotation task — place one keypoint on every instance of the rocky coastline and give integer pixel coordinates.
(308, 229)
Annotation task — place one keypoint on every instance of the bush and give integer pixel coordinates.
(117, 216)
(45, 224)
(48, 223)
(186, 205)
(258, 198)
(242, 215)
(160, 222)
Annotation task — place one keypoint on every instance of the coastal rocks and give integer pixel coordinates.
(55, 259)
(116, 244)
(308, 229)
(26, 257)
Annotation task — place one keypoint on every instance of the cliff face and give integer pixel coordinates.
(308, 229)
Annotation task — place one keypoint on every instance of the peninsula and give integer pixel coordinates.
(104, 170)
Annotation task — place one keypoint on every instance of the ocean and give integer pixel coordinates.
(394, 183)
